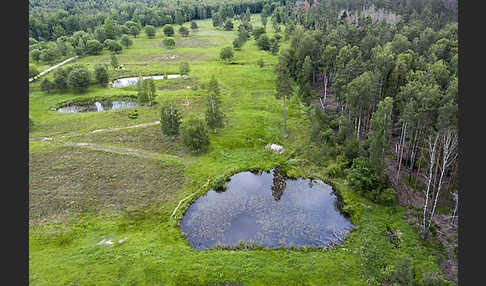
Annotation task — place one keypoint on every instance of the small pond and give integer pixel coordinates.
(122, 82)
(96, 106)
(266, 208)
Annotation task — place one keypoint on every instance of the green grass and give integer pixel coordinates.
(137, 203)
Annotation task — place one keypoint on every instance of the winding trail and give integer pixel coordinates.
(51, 68)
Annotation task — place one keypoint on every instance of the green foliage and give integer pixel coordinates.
(94, 47)
(35, 54)
(168, 30)
(261, 63)
(31, 123)
(33, 71)
(126, 41)
(149, 31)
(61, 78)
(263, 42)
(47, 85)
(228, 25)
(274, 46)
(226, 54)
(169, 43)
(101, 73)
(133, 114)
(146, 90)
(170, 119)
(113, 46)
(184, 68)
(79, 78)
(184, 31)
(257, 32)
(195, 135)
(219, 184)
(114, 61)
(364, 180)
(214, 116)
(194, 25)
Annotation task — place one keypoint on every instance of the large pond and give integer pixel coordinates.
(96, 106)
(269, 209)
(122, 82)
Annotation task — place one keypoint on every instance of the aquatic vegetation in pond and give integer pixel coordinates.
(96, 106)
(269, 209)
(122, 82)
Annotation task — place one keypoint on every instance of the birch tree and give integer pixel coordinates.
(283, 87)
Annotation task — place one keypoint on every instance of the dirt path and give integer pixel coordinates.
(51, 68)
(127, 127)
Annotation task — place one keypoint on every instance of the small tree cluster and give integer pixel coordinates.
(195, 135)
(214, 115)
(170, 119)
(146, 90)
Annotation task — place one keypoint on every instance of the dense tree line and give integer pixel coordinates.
(391, 82)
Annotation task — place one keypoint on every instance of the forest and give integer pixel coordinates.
(363, 93)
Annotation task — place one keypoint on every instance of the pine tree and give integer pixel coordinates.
(214, 115)
(283, 86)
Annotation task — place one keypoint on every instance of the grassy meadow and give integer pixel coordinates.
(124, 183)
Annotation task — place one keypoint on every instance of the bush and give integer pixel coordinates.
(169, 43)
(263, 42)
(94, 47)
(194, 25)
(184, 68)
(195, 135)
(228, 26)
(219, 184)
(31, 123)
(79, 78)
(184, 31)
(257, 32)
(149, 31)
(364, 179)
(168, 30)
(261, 63)
(226, 54)
(33, 71)
(47, 85)
(101, 73)
(126, 41)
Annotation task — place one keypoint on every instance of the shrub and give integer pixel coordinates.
(184, 31)
(195, 135)
(261, 63)
(47, 85)
(226, 54)
(33, 71)
(31, 123)
(101, 73)
(194, 25)
(257, 32)
(168, 30)
(228, 26)
(79, 78)
(184, 68)
(126, 41)
(94, 47)
(219, 184)
(149, 31)
(169, 43)
(263, 42)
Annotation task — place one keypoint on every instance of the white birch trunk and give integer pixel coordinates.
(429, 177)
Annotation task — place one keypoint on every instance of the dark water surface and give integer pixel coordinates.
(266, 208)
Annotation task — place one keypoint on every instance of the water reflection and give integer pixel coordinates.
(266, 208)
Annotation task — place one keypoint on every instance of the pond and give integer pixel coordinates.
(96, 106)
(122, 82)
(269, 209)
